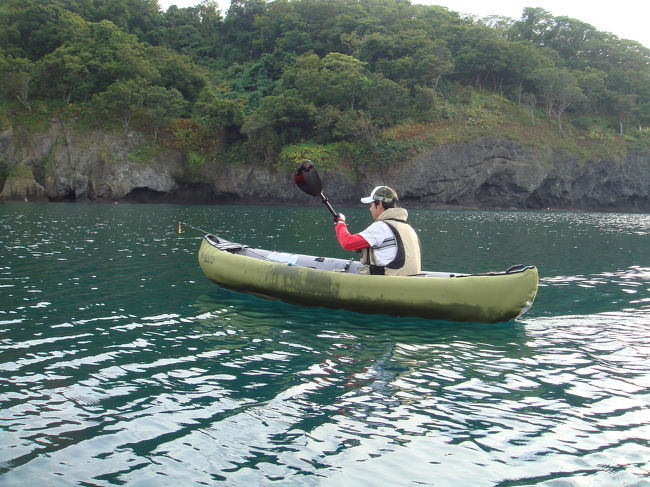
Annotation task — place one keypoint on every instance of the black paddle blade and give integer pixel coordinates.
(307, 179)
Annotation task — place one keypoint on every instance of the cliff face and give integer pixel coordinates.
(63, 165)
(499, 173)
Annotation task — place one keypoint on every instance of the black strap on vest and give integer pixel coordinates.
(400, 257)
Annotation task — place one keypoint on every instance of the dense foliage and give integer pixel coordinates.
(328, 79)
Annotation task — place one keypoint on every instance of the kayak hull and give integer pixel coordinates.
(486, 298)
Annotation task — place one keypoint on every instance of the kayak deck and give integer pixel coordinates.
(350, 266)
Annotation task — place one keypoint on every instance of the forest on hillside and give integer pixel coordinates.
(331, 80)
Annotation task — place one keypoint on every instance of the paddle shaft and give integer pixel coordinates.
(327, 204)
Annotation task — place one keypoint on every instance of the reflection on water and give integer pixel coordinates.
(122, 365)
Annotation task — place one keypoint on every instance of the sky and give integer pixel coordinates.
(628, 19)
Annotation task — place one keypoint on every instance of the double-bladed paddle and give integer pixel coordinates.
(308, 181)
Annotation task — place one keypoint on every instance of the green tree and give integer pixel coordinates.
(138, 17)
(384, 101)
(159, 106)
(430, 64)
(336, 79)
(192, 31)
(536, 25)
(289, 115)
(102, 55)
(175, 71)
(239, 30)
(17, 76)
(33, 28)
(593, 83)
(484, 57)
(221, 112)
(128, 101)
(121, 100)
(623, 107)
(282, 28)
(216, 110)
(351, 101)
(523, 61)
(560, 89)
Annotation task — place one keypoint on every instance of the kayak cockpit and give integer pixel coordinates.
(349, 266)
(312, 262)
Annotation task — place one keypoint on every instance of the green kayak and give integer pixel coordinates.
(336, 283)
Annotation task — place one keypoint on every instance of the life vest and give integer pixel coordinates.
(408, 258)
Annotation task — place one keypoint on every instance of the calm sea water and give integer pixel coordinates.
(122, 365)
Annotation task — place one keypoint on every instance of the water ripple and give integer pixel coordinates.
(138, 372)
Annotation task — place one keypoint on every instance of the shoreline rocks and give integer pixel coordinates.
(64, 165)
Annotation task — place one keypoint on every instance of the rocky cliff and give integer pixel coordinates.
(499, 173)
(61, 164)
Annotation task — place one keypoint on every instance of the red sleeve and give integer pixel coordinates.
(347, 241)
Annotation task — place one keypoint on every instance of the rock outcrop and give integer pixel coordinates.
(499, 173)
(18, 188)
(61, 164)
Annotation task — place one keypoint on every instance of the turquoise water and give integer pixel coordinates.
(120, 364)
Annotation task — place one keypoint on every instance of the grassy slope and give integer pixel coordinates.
(483, 114)
(490, 115)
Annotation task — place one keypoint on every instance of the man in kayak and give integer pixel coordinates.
(389, 246)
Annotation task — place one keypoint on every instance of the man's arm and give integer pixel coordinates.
(348, 241)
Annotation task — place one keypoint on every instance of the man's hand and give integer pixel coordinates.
(340, 217)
